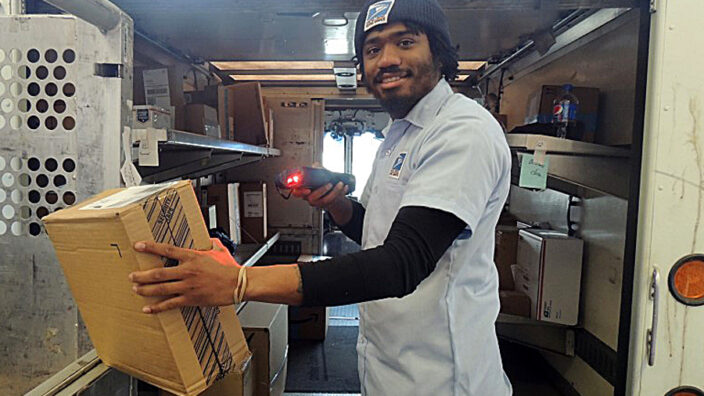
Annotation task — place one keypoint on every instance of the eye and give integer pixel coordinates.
(405, 43)
(371, 51)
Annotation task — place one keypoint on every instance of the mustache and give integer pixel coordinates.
(391, 70)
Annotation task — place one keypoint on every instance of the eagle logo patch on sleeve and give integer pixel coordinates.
(378, 13)
(395, 171)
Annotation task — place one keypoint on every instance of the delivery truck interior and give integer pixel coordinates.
(211, 112)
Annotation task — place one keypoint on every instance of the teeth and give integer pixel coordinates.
(390, 79)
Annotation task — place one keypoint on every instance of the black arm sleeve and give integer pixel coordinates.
(417, 239)
(353, 228)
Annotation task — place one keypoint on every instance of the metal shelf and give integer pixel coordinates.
(554, 145)
(185, 154)
(574, 164)
(536, 334)
(247, 254)
(188, 140)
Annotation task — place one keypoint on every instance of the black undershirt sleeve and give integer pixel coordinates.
(418, 237)
(353, 228)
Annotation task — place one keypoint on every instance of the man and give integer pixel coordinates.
(426, 224)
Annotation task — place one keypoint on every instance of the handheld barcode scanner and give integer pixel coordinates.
(310, 178)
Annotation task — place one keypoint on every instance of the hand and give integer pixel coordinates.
(324, 197)
(202, 278)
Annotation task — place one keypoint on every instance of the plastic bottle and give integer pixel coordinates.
(564, 112)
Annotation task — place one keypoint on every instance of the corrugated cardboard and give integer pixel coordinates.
(234, 384)
(308, 323)
(514, 302)
(244, 103)
(266, 329)
(253, 212)
(182, 351)
(505, 254)
(207, 96)
(549, 271)
(201, 119)
(161, 87)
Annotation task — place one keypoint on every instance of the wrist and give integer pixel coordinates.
(340, 209)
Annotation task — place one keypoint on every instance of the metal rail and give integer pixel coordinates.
(101, 13)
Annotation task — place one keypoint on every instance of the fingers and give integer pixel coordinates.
(318, 193)
(163, 249)
(300, 192)
(160, 289)
(337, 192)
(171, 303)
(157, 275)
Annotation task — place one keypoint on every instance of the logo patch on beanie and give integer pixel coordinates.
(378, 13)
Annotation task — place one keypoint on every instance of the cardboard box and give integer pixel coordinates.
(266, 329)
(201, 119)
(253, 212)
(506, 239)
(233, 384)
(93, 242)
(225, 198)
(161, 87)
(549, 271)
(244, 103)
(148, 116)
(207, 96)
(540, 106)
(308, 323)
(514, 302)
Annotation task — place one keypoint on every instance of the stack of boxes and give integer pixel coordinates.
(237, 112)
(239, 209)
(539, 273)
(266, 330)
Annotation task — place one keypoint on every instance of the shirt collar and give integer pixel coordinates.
(427, 107)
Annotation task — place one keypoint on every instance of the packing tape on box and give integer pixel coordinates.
(170, 225)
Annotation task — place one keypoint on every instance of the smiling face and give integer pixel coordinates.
(398, 67)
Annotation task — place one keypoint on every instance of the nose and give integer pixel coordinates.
(389, 56)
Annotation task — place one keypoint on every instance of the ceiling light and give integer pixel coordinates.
(337, 46)
(471, 65)
(283, 77)
(273, 65)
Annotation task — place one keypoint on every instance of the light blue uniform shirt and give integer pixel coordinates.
(450, 154)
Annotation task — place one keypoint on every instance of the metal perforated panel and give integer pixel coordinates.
(59, 143)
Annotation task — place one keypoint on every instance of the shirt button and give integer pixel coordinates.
(387, 153)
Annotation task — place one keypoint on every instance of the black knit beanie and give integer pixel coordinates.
(426, 13)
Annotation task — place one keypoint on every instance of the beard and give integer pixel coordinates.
(397, 104)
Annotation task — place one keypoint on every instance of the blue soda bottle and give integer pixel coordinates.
(564, 112)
